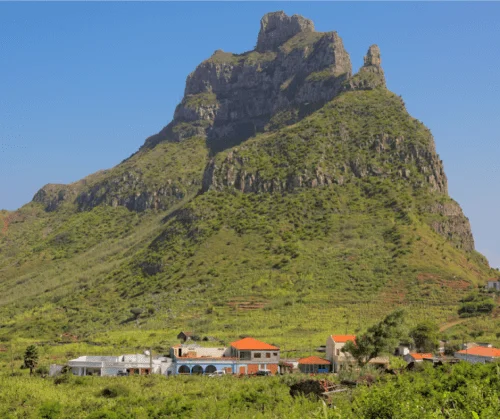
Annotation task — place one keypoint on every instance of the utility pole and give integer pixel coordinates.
(150, 360)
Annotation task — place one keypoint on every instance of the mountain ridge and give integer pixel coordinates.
(282, 176)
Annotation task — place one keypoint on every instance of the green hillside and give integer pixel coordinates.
(318, 223)
(288, 259)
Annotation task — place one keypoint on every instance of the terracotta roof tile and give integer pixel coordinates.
(313, 360)
(482, 351)
(421, 356)
(250, 343)
(343, 338)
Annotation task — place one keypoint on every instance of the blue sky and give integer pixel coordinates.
(83, 84)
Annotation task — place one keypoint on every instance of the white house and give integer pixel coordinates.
(493, 284)
(334, 353)
(479, 354)
(131, 364)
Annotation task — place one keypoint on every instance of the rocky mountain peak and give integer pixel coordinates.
(372, 57)
(230, 97)
(277, 28)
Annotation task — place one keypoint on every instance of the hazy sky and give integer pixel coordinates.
(83, 84)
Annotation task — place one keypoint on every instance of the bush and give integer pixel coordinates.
(50, 410)
(114, 391)
(475, 305)
(42, 371)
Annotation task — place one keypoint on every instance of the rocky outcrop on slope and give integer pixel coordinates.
(52, 196)
(452, 224)
(129, 190)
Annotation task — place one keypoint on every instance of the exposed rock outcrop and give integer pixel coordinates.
(131, 191)
(231, 97)
(277, 27)
(52, 196)
(452, 224)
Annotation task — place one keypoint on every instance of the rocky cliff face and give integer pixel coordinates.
(231, 97)
(452, 224)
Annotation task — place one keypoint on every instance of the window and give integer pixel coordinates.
(268, 355)
(338, 352)
(275, 354)
(257, 355)
(245, 355)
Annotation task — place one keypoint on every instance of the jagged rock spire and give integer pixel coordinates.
(372, 60)
(277, 28)
(372, 57)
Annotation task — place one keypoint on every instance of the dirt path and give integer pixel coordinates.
(450, 324)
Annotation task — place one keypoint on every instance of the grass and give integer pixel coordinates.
(460, 391)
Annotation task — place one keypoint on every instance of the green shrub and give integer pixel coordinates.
(114, 391)
(50, 410)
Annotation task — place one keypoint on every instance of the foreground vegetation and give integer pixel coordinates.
(450, 391)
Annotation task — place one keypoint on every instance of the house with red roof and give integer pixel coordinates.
(244, 357)
(314, 364)
(418, 357)
(479, 354)
(334, 353)
(255, 355)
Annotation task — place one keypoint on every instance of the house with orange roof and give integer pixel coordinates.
(479, 354)
(255, 355)
(245, 357)
(334, 353)
(418, 357)
(314, 364)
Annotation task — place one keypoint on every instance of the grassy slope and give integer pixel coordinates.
(287, 268)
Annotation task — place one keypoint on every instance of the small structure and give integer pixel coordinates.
(288, 366)
(55, 370)
(314, 364)
(185, 336)
(493, 285)
(479, 354)
(402, 350)
(334, 353)
(129, 364)
(418, 357)
(381, 362)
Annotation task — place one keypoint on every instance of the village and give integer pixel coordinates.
(249, 356)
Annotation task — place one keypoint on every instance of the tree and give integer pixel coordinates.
(425, 336)
(379, 338)
(31, 358)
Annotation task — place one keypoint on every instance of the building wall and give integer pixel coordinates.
(473, 358)
(219, 365)
(494, 285)
(262, 356)
(335, 355)
(253, 368)
(314, 368)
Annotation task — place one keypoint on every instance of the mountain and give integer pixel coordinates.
(287, 194)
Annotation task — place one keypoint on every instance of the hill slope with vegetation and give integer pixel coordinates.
(287, 198)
